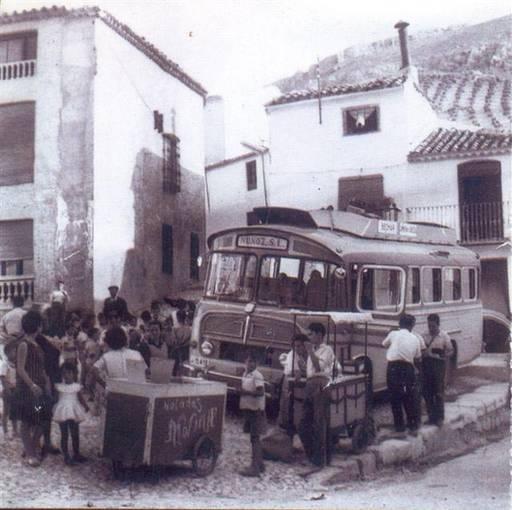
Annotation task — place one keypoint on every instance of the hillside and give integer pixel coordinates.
(465, 71)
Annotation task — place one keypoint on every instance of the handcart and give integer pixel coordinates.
(348, 394)
(148, 424)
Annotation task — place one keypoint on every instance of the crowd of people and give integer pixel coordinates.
(54, 363)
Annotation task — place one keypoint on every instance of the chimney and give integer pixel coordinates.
(401, 26)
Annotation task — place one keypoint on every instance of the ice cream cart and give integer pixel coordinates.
(149, 424)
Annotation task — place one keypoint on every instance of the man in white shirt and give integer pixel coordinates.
(319, 368)
(404, 348)
(10, 323)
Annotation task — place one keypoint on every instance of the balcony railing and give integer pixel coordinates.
(11, 286)
(474, 223)
(15, 70)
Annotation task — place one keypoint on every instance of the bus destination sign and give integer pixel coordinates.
(255, 241)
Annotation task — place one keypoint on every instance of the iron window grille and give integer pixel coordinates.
(171, 163)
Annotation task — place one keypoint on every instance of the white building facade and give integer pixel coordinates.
(101, 178)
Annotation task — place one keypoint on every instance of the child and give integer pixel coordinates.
(8, 378)
(145, 319)
(92, 353)
(252, 403)
(69, 412)
(69, 351)
(180, 341)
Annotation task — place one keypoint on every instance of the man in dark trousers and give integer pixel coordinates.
(319, 367)
(404, 350)
(438, 350)
(114, 303)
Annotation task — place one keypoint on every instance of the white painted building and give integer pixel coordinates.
(380, 145)
(101, 160)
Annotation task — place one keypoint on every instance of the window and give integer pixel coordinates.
(194, 255)
(16, 248)
(18, 47)
(167, 249)
(469, 279)
(413, 286)
(432, 285)
(250, 171)
(362, 190)
(380, 289)
(452, 284)
(360, 120)
(17, 131)
(279, 281)
(231, 276)
(171, 166)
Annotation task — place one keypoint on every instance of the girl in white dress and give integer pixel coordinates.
(69, 412)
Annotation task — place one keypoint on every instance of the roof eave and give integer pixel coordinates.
(415, 158)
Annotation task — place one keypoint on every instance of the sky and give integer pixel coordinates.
(235, 48)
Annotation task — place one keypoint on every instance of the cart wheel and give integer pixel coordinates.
(204, 456)
(118, 470)
(361, 437)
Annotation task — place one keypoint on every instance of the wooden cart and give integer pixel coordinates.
(156, 424)
(349, 393)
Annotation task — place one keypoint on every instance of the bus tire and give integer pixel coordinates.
(451, 365)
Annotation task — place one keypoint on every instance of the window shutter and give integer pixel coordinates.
(167, 249)
(16, 240)
(365, 188)
(17, 129)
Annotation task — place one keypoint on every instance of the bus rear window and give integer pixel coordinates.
(231, 276)
(381, 289)
(452, 284)
(432, 285)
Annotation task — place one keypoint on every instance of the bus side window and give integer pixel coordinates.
(452, 284)
(432, 285)
(469, 283)
(413, 286)
(381, 289)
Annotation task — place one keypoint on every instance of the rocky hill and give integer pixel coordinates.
(465, 71)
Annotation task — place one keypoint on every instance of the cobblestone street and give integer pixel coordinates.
(93, 484)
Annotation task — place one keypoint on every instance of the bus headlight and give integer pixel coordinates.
(282, 359)
(206, 348)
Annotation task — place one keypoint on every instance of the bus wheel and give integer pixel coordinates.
(451, 365)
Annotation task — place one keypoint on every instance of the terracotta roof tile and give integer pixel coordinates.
(338, 90)
(123, 30)
(455, 143)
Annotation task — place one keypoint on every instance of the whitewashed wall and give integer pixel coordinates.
(229, 199)
(127, 88)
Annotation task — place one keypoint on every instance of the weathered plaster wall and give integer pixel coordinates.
(59, 199)
(128, 87)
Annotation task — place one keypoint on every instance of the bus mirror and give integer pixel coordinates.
(199, 261)
(340, 273)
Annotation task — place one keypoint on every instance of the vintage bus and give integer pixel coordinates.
(268, 280)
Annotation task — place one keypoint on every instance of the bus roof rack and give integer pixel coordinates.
(355, 224)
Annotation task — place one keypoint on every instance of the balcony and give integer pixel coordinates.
(11, 286)
(476, 223)
(15, 70)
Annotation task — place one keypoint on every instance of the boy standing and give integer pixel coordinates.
(404, 348)
(252, 403)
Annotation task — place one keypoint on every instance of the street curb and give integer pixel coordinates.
(466, 421)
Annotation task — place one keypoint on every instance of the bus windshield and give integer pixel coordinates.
(232, 275)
